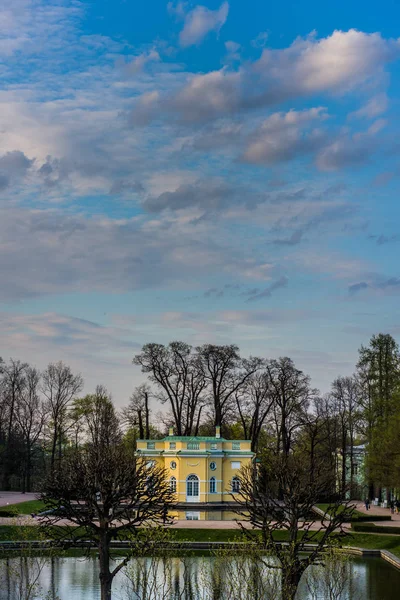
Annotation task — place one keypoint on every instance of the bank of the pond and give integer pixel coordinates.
(386, 546)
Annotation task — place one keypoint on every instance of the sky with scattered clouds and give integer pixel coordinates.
(224, 172)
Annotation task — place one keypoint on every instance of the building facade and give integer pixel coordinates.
(202, 471)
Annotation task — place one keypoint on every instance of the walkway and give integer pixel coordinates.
(381, 512)
(15, 497)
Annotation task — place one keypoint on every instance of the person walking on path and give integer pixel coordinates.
(367, 503)
(397, 506)
(392, 507)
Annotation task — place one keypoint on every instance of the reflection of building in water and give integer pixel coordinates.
(202, 471)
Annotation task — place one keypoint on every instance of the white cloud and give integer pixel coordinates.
(139, 62)
(261, 40)
(338, 64)
(334, 64)
(46, 252)
(376, 106)
(232, 47)
(350, 150)
(30, 25)
(200, 21)
(281, 136)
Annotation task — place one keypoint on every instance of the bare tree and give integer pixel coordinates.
(137, 413)
(225, 373)
(254, 403)
(259, 503)
(346, 400)
(13, 381)
(181, 383)
(105, 489)
(311, 439)
(97, 415)
(59, 386)
(291, 392)
(30, 417)
(325, 408)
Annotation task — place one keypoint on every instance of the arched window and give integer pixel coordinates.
(192, 488)
(235, 485)
(172, 484)
(213, 485)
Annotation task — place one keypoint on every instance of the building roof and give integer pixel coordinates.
(189, 438)
(192, 438)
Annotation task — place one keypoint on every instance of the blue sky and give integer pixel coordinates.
(223, 172)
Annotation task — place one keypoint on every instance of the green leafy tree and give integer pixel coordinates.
(378, 372)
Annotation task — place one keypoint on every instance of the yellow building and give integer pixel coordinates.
(201, 470)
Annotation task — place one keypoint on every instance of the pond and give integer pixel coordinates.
(192, 578)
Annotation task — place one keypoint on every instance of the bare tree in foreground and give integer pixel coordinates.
(258, 504)
(105, 491)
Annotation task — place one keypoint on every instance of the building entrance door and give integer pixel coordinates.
(192, 489)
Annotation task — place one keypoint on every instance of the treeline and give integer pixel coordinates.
(36, 420)
(273, 404)
(268, 401)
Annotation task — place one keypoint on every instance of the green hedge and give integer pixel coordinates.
(372, 528)
(365, 518)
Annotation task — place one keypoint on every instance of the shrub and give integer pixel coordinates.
(372, 528)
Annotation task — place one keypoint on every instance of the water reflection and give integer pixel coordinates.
(192, 578)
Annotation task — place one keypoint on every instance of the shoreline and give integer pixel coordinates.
(13, 545)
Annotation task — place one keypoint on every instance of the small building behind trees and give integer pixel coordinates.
(356, 484)
(203, 472)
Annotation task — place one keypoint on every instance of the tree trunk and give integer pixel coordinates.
(23, 486)
(218, 413)
(147, 419)
(59, 450)
(140, 423)
(343, 483)
(53, 449)
(28, 468)
(196, 431)
(105, 575)
(290, 582)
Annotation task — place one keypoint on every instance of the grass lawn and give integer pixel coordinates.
(10, 533)
(357, 516)
(359, 540)
(374, 541)
(23, 508)
(325, 508)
